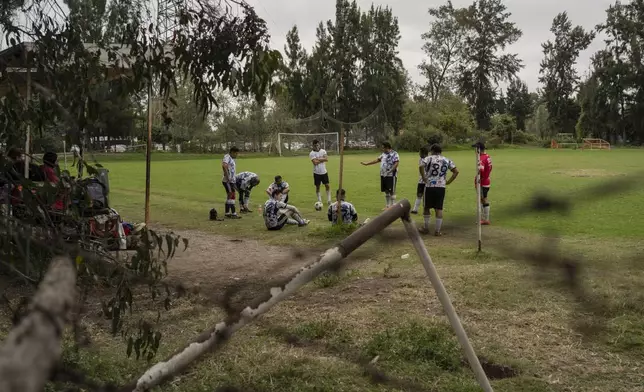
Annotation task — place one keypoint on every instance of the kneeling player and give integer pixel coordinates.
(282, 186)
(277, 214)
(245, 181)
(348, 211)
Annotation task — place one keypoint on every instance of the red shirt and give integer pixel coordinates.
(485, 169)
(50, 175)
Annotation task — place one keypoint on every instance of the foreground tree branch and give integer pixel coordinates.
(220, 333)
(33, 348)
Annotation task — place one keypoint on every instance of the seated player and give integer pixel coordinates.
(277, 213)
(245, 181)
(281, 185)
(349, 213)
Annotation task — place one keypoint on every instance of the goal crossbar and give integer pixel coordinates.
(336, 134)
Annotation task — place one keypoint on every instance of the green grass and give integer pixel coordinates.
(184, 190)
(383, 305)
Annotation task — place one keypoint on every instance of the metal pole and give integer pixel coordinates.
(339, 197)
(478, 198)
(148, 154)
(65, 153)
(443, 296)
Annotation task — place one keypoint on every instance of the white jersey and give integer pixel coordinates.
(231, 168)
(320, 168)
(387, 162)
(272, 212)
(281, 187)
(436, 168)
(243, 180)
(349, 213)
(421, 164)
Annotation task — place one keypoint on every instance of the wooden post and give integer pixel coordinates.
(148, 156)
(478, 197)
(28, 139)
(339, 197)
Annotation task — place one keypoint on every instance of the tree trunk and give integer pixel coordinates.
(33, 347)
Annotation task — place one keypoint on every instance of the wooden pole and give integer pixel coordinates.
(148, 156)
(28, 139)
(339, 197)
(448, 307)
(478, 198)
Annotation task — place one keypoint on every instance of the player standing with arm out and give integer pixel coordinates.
(389, 161)
(228, 181)
(319, 158)
(435, 174)
(485, 169)
(420, 188)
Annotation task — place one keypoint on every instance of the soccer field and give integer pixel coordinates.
(381, 304)
(183, 190)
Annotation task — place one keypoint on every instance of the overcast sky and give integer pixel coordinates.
(533, 17)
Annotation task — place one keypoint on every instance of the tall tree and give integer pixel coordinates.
(383, 77)
(558, 73)
(294, 69)
(443, 48)
(519, 102)
(488, 31)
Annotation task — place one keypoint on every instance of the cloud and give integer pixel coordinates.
(533, 17)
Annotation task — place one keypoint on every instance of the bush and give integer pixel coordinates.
(413, 140)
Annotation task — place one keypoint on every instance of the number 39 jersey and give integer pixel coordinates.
(436, 168)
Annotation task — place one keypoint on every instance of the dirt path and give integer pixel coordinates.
(215, 260)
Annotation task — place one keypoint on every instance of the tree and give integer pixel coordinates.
(519, 102)
(443, 48)
(483, 65)
(294, 71)
(558, 73)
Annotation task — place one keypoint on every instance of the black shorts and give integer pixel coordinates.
(434, 198)
(229, 188)
(321, 179)
(420, 190)
(388, 184)
(484, 191)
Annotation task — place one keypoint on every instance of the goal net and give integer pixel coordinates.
(290, 144)
(367, 133)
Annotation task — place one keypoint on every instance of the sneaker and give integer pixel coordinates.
(227, 215)
(423, 230)
(485, 222)
(438, 234)
(234, 216)
(304, 222)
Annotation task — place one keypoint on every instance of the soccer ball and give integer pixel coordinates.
(318, 206)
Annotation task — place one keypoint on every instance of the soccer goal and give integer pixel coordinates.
(289, 144)
(564, 140)
(595, 144)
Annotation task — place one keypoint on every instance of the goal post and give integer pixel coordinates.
(300, 143)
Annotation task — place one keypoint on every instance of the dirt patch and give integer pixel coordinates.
(587, 173)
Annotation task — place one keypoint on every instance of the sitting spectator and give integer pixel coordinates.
(277, 214)
(349, 213)
(50, 164)
(17, 170)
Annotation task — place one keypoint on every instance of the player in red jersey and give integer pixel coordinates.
(485, 169)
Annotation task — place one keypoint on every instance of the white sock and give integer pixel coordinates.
(417, 204)
(427, 218)
(318, 195)
(246, 200)
(387, 200)
(486, 212)
(438, 224)
(393, 199)
(328, 196)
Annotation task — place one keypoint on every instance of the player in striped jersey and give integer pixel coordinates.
(228, 166)
(245, 182)
(347, 210)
